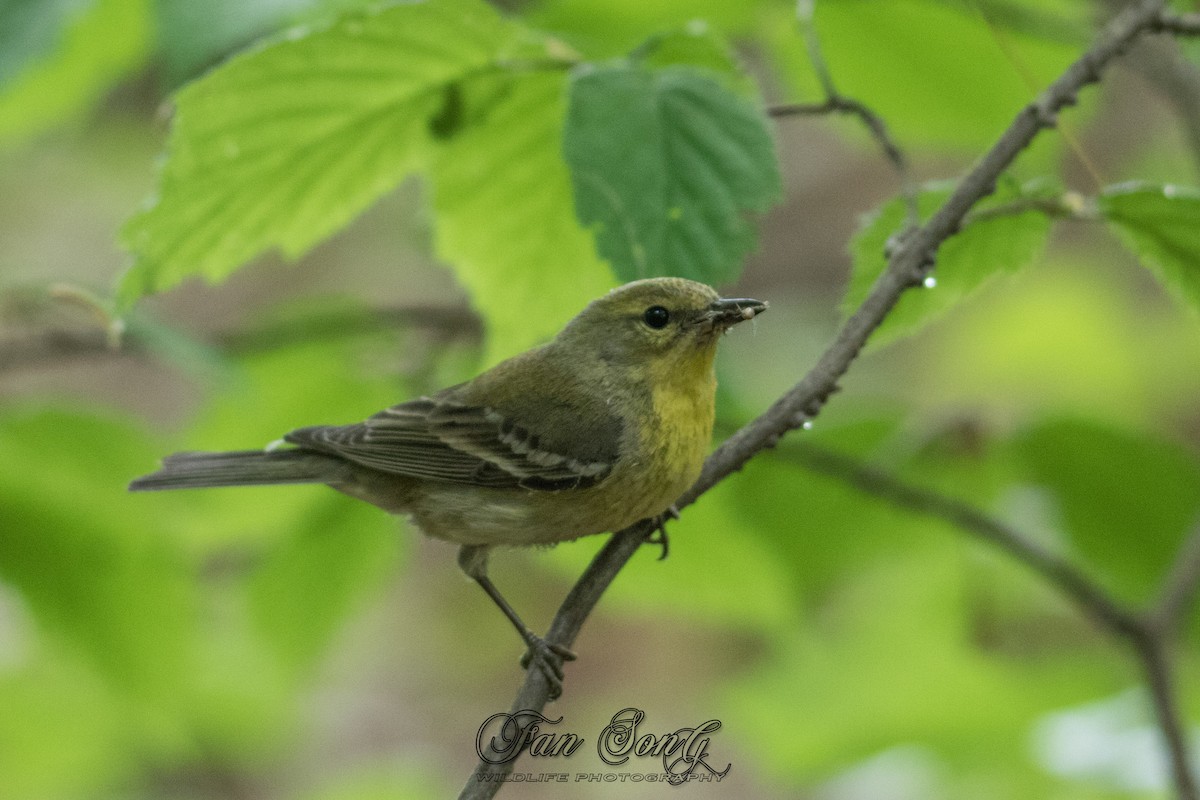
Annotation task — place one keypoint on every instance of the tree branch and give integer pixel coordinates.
(53, 346)
(837, 103)
(1150, 650)
(907, 266)
(1073, 582)
(1069, 205)
(1147, 635)
(1178, 24)
(1158, 628)
(1178, 592)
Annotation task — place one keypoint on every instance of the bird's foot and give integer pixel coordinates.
(549, 658)
(660, 531)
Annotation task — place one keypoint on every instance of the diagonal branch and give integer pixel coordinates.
(907, 266)
(1092, 598)
(1178, 24)
(1178, 592)
(1146, 635)
(1151, 652)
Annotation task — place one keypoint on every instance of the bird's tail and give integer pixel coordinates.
(242, 468)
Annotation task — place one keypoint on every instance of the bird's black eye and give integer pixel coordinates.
(656, 317)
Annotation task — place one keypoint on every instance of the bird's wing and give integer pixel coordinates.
(447, 440)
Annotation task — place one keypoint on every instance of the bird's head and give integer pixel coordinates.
(663, 322)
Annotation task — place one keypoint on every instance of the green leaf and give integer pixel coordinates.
(193, 36)
(309, 584)
(668, 165)
(57, 58)
(993, 244)
(694, 45)
(1127, 499)
(504, 216)
(283, 145)
(1161, 225)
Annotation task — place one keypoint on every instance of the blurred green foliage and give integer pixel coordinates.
(1162, 225)
(181, 646)
(502, 201)
(59, 55)
(1005, 236)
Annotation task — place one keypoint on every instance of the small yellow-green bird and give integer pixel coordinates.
(605, 425)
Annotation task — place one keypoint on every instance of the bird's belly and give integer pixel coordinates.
(523, 517)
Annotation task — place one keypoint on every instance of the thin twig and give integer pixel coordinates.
(907, 266)
(1087, 594)
(54, 345)
(840, 104)
(1178, 24)
(1150, 651)
(1178, 592)
(1176, 596)
(1147, 635)
(1065, 206)
(837, 103)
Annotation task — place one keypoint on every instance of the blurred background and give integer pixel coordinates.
(290, 643)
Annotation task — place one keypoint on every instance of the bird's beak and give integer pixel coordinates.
(729, 311)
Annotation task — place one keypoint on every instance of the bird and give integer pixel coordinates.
(606, 424)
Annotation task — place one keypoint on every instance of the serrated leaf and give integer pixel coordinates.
(195, 35)
(991, 245)
(69, 54)
(283, 145)
(1161, 225)
(504, 217)
(1127, 499)
(668, 166)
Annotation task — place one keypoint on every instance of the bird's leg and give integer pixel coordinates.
(660, 535)
(548, 657)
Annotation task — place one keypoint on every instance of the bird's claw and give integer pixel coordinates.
(549, 658)
(660, 532)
